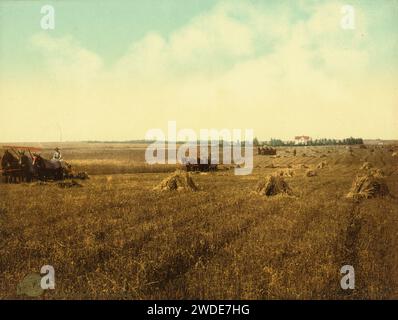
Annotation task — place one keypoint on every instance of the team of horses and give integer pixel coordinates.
(24, 168)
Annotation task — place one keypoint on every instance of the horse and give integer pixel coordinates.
(201, 165)
(48, 169)
(11, 168)
(28, 169)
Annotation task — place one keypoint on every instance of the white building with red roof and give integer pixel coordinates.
(302, 139)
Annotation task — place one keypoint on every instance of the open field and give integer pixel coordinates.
(118, 238)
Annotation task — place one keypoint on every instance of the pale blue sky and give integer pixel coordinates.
(110, 27)
(104, 26)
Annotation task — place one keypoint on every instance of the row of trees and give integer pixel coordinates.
(316, 142)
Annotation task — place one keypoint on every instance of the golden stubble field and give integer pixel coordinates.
(117, 238)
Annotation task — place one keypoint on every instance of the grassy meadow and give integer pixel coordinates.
(117, 238)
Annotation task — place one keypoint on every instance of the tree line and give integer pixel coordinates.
(316, 142)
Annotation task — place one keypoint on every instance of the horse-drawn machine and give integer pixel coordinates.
(25, 164)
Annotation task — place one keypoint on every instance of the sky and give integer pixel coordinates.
(112, 70)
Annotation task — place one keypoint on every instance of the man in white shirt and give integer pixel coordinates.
(57, 154)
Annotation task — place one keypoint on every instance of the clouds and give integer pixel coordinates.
(66, 59)
(281, 70)
(216, 42)
(209, 43)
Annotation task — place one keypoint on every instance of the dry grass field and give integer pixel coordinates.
(117, 238)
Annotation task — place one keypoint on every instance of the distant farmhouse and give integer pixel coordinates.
(302, 139)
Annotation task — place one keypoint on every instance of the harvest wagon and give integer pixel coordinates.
(266, 151)
(200, 165)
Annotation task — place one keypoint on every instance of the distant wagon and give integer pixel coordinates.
(199, 165)
(266, 151)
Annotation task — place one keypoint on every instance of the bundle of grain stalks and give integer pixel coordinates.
(69, 184)
(322, 165)
(83, 175)
(179, 180)
(378, 173)
(301, 166)
(368, 186)
(273, 185)
(286, 173)
(40, 183)
(366, 166)
(311, 173)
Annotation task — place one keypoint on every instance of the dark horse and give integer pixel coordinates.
(11, 168)
(201, 165)
(48, 169)
(28, 169)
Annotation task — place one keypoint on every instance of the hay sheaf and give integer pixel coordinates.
(273, 185)
(378, 173)
(301, 166)
(39, 183)
(69, 184)
(311, 173)
(322, 165)
(82, 175)
(366, 166)
(178, 181)
(286, 173)
(368, 186)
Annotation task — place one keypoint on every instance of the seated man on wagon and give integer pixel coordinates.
(57, 158)
(57, 154)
